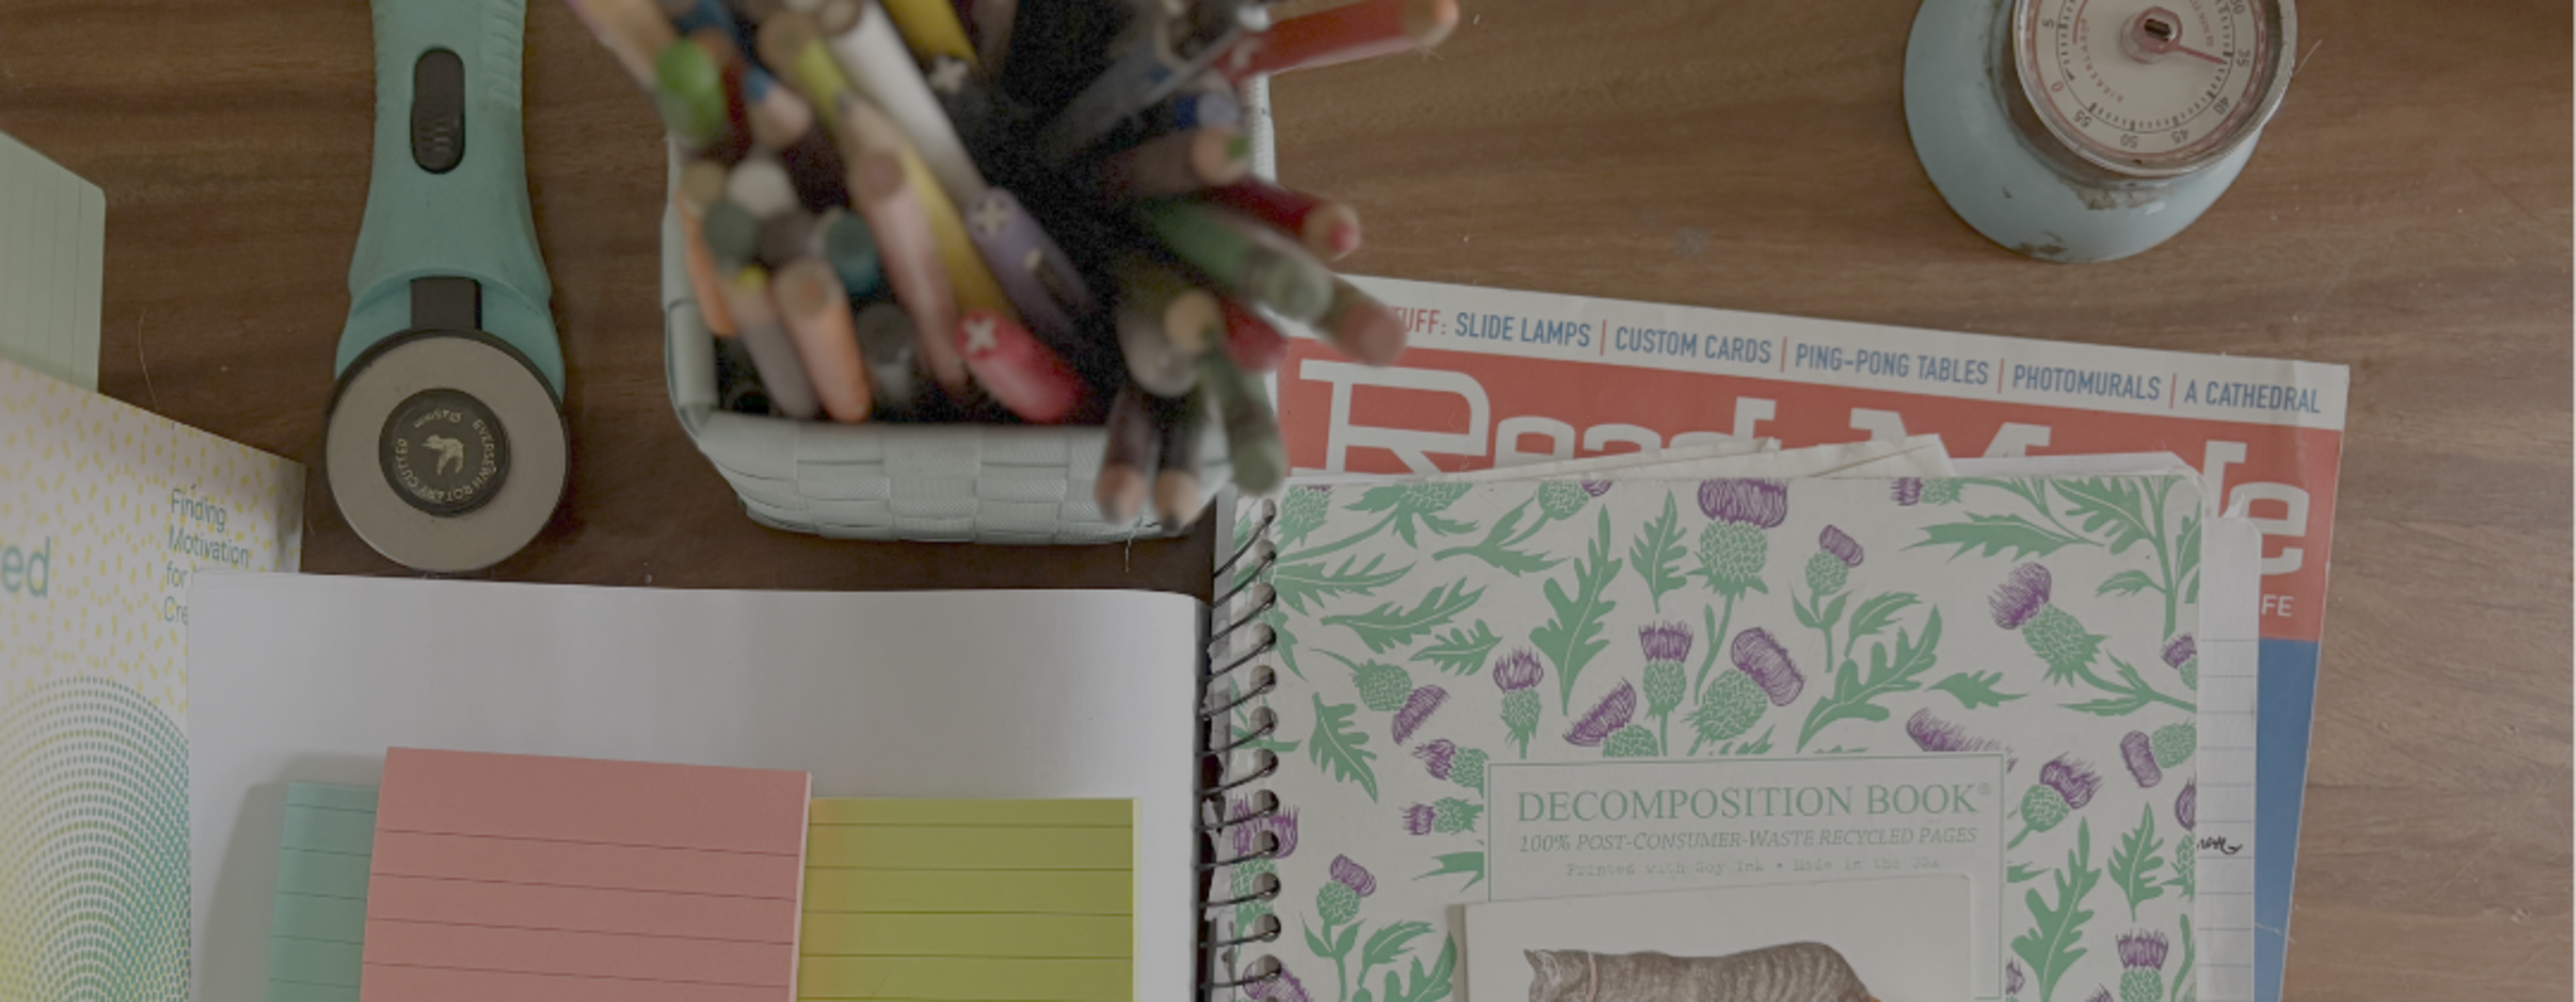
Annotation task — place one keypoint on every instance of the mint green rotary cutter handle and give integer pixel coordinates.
(447, 449)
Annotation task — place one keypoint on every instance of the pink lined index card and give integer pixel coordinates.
(522, 877)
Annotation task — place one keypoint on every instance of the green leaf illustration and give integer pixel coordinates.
(1317, 945)
(1757, 746)
(1855, 696)
(1993, 534)
(2116, 506)
(2129, 582)
(1975, 689)
(1874, 615)
(1425, 986)
(2184, 875)
(1657, 554)
(1381, 498)
(2020, 872)
(2134, 864)
(2126, 696)
(1460, 652)
(1244, 739)
(1387, 944)
(1283, 641)
(1573, 637)
(1336, 746)
(2184, 985)
(1299, 584)
(1470, 863)
(1496, 549)
(1389, 626)
(2049, 946)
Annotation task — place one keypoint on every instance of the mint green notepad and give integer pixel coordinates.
(316, 934)
(53, 243)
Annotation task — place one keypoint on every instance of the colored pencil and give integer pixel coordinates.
(859, 34)
(782, 372)
(701, 184)
(931, 29)
(1362, 327)
(1019, 372)
(1250, 260)
(1175, 164)
(1251, 343)
(1252, 443)
(1128, 457)
(1328, 228)
(817, 312)
(911, 261)
(892, 355)
(1181, 422)
(1356, 31)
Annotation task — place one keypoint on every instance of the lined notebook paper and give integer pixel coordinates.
(970, 899)
(319, 925)
(517, 877)
(53, 239)
(2229, 647)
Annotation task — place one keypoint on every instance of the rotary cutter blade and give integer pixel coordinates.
(446, 446)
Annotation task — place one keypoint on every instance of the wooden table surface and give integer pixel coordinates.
(2408, 215)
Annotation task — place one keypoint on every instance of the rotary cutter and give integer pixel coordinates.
(447, 449)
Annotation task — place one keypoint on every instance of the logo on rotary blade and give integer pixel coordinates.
(444, 452)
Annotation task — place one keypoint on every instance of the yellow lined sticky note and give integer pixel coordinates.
(969, 899)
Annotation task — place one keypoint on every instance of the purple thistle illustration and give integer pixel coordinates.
(1452, 816)
(2012, 977)
(1934, 734)
(1907, 491)
(1247, 831)
(1665, 642)
(2142, 962)
(1843, 547)
(2180, 649)
(1354, 876)
(1284, 988)
(2064, 785)
(2021, 596)
(1596, 488)
(1756, 654)
(2187, 806)
(1437, 756)
(1419, 819)
(1609, 715)
(1745, 500)
(2101, 995)
(2140, 755)
(1418, 708)
(1518, 670)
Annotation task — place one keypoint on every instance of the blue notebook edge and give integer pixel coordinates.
(2285, 713)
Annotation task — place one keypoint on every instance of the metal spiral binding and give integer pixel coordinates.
(1236, 641)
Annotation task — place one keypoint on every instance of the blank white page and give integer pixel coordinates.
(952, 694)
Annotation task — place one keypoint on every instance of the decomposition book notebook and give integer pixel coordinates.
(1450, 694)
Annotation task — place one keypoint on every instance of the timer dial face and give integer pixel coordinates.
(2151, 88)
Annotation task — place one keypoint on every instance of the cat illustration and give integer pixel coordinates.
(1793, 972)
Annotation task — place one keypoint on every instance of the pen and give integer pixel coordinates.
(859, 34)
(782, 373)
(1342, 34)
(887, 347)
(901, 229)
(701, 184)
(1251, 261)
(817, 312)
(1174, 164)
(1127, 456)
(1009, 363)
(1182, 421)
(1251, 428)
(851, 249)
(1251, 343)
(1362, 327)
(1328, 228)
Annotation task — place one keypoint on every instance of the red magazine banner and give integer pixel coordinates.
(1497, 378)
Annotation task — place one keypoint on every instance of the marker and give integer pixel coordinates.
(1035, 273)
(1154, 363)
(1251, 428)
(733, 235)
(782, 373)
(632, 30)
(1357, 31)
(881, 70)
(1126, 458)
(701, 185)
(1022, 374)
(788, 237)
(1191, 318)
(817, 312)
(972, 281)
(1251, 261)
(1328, 228)
(1251, 343)
(930, 28)
(851, 249)
(886, 345)
(1181, 423)
(1176, 164)
(1362, 327)
(911, 262)
(761, 186)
